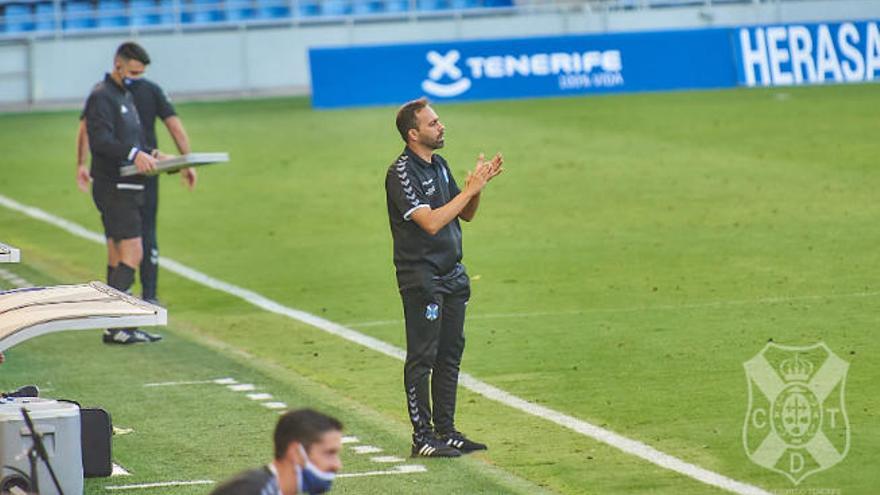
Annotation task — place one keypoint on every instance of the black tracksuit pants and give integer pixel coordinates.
(149, 269)
(434, 346)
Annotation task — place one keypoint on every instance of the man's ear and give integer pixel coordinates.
(412, 134)
(293, 453)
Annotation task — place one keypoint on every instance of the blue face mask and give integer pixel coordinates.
(311, 479)
(127, 81)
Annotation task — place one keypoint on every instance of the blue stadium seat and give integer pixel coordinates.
(429, 5)
(167, 16)
(18, 18)
(273, 9)
(309, 8)
(396, 5)
(202, 12)
(44, 16)
(143, 12)
(78, 14)
(498, 3)
(335, 8)
(112, 14)
(675, 3)
(466, 4)
(240, 10)
(366, 7)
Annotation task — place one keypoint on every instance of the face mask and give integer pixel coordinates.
(311, 479)
(127, 81)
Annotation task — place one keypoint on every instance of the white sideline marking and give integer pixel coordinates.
(633, 447)
(387, 459)
(174, 384)
(117, 430)
(119, 471)
(226, 381)
(274, 405)
(366, 449)
(159, 485)
(411, 468)
(350, 439)
(242, 387)
(15, 280)
(259, 396)
(404, 469)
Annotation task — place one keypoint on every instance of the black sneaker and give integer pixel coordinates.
(431, 446)
(457, 440)
(129, 336)
(154, 302)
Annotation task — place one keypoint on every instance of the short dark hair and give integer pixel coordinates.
(406, 116)
(305, 426)
(132, 51)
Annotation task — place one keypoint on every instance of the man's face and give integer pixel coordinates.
(430, 131)
(324, 453)
(131, 69)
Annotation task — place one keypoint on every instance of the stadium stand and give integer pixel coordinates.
(239, 10)
(20, 18)
(113, 14)
(78, 15)
(28, 18)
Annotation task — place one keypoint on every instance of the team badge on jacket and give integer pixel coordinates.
(432, 312)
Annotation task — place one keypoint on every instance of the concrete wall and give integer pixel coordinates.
(47, 72)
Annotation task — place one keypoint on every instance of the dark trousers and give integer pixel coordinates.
(149, 269)
(434, 345)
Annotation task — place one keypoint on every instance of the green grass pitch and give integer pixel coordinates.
(635, 253)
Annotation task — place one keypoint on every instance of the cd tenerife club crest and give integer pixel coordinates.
(796, 423)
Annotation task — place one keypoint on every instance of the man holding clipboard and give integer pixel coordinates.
(118, 126)
(151, 103)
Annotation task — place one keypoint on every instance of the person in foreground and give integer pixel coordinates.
(307, 448)
(424, 207)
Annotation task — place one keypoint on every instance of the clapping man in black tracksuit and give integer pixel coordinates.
(424, 207)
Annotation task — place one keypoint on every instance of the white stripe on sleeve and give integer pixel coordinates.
(408, 214)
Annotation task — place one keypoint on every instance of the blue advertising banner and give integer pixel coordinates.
(592, 64)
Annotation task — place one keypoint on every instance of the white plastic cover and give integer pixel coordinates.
(29, 313)
(9, 254)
